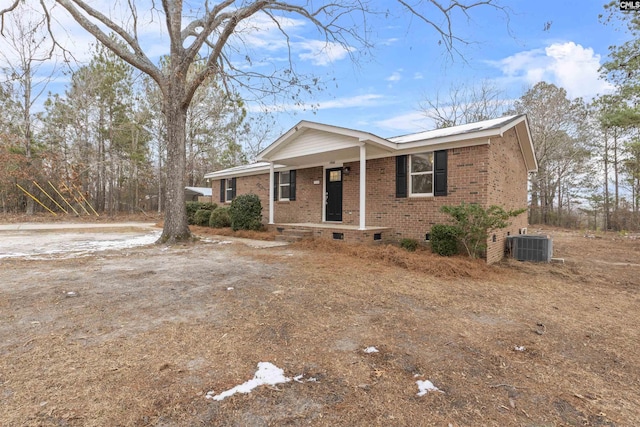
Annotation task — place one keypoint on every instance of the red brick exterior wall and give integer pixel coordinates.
(508, 179)
(484, 174)
(306, 208)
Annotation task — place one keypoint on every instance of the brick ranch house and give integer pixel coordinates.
(350, 185)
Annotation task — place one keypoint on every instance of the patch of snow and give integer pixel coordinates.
(426, 386)
(69, 245)
(371, 350)
(300, 378)
(267, 373)
(230, 288)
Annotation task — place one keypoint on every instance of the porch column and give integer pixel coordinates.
(363, 184)
(271, 184)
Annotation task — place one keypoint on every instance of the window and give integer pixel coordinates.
(227, 190)
(284, 186)
(421, 174)
(335, 176)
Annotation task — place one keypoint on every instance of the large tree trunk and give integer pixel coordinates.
(176, 227)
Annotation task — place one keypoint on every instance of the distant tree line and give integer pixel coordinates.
(104, 137)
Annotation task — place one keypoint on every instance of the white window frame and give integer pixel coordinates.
(280, 185)
(411, 174)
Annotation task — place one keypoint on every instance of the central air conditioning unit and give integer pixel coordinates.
(530, 248)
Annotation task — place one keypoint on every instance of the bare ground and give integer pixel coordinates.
(149, 331)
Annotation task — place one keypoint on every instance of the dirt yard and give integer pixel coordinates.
(139, 336)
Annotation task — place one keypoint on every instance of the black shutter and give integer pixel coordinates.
(292, 181)
(440, 173)
(401, 176)
(276, 184)
(233, 188)
(222, 190)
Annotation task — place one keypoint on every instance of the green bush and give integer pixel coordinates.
(208, 206)
(444, 239)
(201, 217)
(409, 244)
(474, 223)
(220, 217)
(193, 207)
(246, 212)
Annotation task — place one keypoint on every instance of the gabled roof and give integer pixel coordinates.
(310, 143)
(342, 139)
(463, 134)
(469, 129)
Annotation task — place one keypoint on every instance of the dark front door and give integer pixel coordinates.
(334, 194)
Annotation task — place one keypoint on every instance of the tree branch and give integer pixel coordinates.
(138, 58)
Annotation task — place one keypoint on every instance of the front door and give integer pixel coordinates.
(334, 195)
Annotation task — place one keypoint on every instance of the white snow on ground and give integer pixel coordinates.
(371, 350)
(267, 374)
(426, 386)
(71, 245)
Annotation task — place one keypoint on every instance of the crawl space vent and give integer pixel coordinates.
(528, 247)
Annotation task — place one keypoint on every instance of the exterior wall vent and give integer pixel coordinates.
(530, 248)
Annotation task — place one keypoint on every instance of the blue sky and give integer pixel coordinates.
(383, 95)
(561, 42)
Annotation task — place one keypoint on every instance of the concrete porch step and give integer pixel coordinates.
(294, 235)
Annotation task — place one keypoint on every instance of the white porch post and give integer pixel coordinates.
(363, 184)
(271, 184)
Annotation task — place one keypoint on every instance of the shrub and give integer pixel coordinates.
(208, 206)
(474, 223)
(409, 244)
(246, 212)
(444, 239)
(220, 217)
(193, 207)
(201, 217)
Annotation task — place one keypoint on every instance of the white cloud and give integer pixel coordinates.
(389, 42)
(409, 122)
(322, 53)
(418, 76)
(395, 76)
(567, 65)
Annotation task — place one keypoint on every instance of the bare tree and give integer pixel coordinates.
(465, 104)
(27, 50)
(213, 33)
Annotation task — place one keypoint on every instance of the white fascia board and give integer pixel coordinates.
(248, 170)
(453, 141)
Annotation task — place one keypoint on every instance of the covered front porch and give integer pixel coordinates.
(331, 231)
(328, 148)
